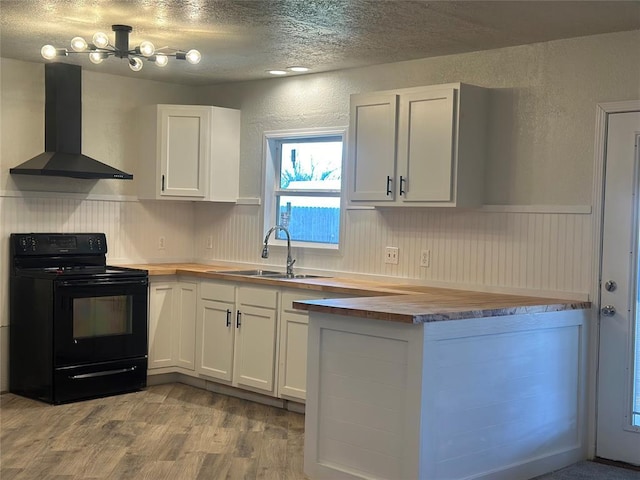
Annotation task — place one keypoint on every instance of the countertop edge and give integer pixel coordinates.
(380, 301)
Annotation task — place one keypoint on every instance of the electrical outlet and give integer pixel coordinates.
(210, 242)
(425, 258)
(391, 255)
(161, 243)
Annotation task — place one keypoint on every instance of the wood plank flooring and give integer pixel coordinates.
(171, 431)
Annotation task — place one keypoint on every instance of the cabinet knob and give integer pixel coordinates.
(238, 315)
(228, 317)
(389, 180)
(402, 182)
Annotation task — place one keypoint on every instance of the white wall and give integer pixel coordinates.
(542, 116)
(539, 168)
(541, 153)
(30, 204)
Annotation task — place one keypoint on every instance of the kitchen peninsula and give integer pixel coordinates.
(444, 384)
(413, 382)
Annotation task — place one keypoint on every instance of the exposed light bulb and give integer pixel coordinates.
(78, 44)
(48, 52)
(96, 57)
(147, 48)
(298, 69)
(161, 60)
(193, 57)
(100, 39)
(135, 64)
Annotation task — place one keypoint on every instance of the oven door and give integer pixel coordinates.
(99, 320)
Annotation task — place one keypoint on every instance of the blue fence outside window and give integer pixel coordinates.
(310, 224)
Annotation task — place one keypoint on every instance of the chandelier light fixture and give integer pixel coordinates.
(101, 49)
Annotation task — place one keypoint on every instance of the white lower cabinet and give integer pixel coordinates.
(256, 333)
(248, 337)
(294, 324)
(162, 299)
(215, 330)
(172, 321)
(292, 359)
(237, 331)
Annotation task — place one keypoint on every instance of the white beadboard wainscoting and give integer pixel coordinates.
(546, 252)
(132, 228)
(537, 251)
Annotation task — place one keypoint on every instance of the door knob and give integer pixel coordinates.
(608, 310)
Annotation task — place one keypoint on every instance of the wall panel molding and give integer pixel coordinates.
(524, 251)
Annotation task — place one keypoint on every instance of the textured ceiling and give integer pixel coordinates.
(240, 40)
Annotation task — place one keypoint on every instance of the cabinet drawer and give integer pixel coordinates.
(221, 292)
(258, 297)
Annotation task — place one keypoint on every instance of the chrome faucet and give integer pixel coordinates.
(265, 249)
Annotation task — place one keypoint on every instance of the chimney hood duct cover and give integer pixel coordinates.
(63, 131)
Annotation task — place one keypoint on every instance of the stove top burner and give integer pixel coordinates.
(65, 255)
(78, 271)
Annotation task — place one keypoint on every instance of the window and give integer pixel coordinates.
(303, 185)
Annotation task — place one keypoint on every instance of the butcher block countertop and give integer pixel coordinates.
(412, 304)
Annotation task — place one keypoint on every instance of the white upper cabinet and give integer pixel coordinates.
(188, 152)
(372, 148)
(420, 146)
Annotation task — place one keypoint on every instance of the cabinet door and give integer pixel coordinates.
(184, 152)
(162, 297)
(426, 152)
(255, 348)
(216, 325)
(372, 147)
(293, 355)
(185, 324)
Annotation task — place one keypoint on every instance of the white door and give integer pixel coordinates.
(372, 148)
(255, 348)
(425, 146)
(618, 422)
(184, 151)
(185, 324)
(162, 297)
(215, 339)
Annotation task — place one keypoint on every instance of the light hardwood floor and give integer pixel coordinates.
(171, 431)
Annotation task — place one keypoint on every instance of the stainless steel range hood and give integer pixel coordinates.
(63, 131)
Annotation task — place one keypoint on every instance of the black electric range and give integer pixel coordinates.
(78, 327)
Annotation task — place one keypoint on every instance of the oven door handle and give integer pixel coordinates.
(102, 374)
(94, 282)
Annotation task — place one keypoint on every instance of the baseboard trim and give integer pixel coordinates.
(615, 463)
(203, 384)
(535, 467)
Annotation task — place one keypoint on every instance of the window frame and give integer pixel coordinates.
(272, 190)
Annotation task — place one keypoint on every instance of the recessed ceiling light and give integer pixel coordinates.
(277, 72)
(298, 69)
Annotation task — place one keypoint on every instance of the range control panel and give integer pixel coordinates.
(58, 243)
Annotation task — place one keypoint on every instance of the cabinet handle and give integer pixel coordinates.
(238, 314)
(402, 180)
(228, 317)
(389, 180)
(163, 183)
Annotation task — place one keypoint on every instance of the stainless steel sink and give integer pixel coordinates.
(264, 273)
(249, 273)
(304, 275)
